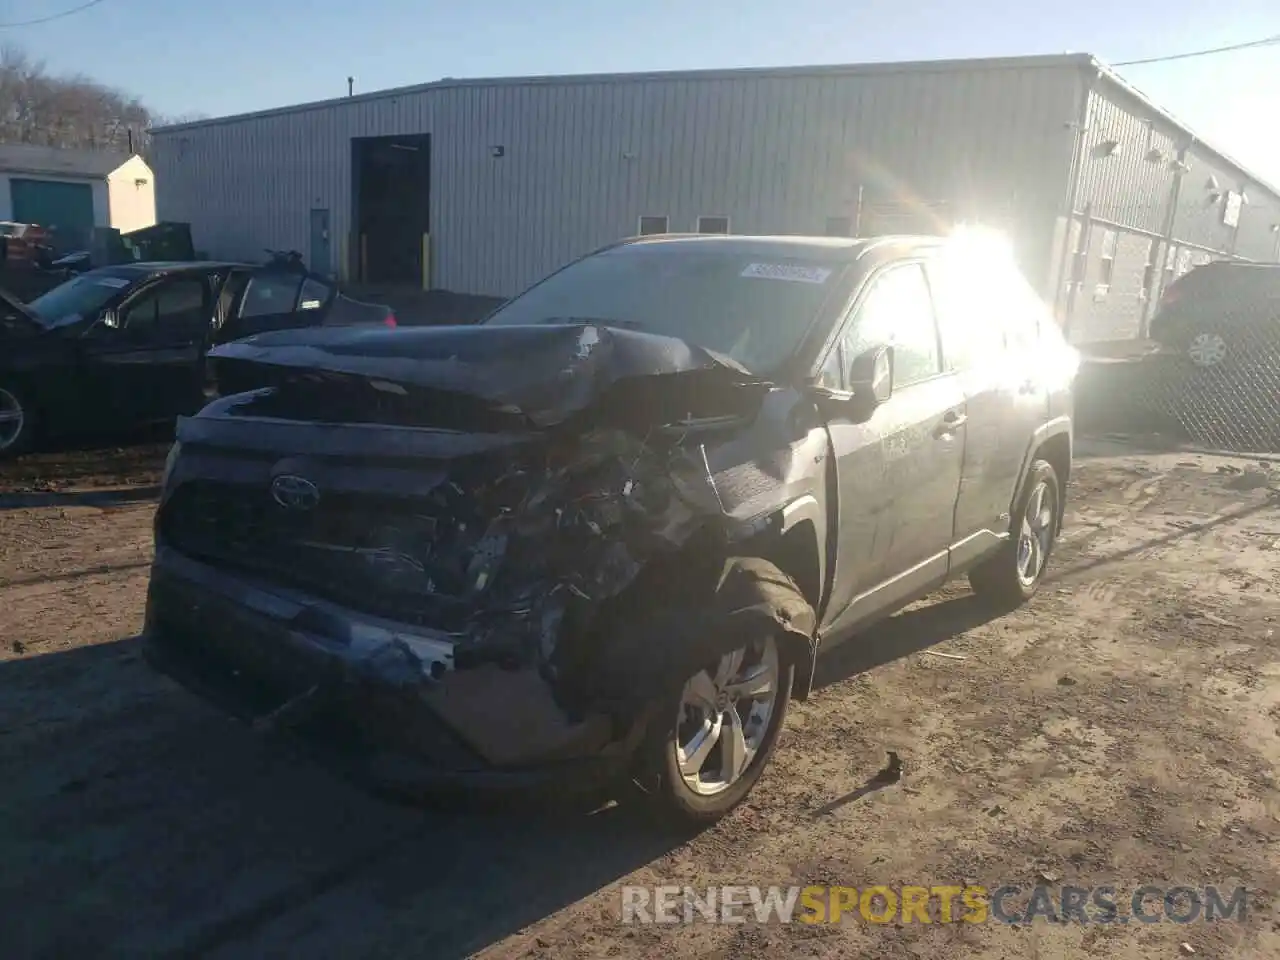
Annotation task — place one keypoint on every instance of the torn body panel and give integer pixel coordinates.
(479, 550)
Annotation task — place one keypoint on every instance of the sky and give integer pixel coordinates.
(185, 57)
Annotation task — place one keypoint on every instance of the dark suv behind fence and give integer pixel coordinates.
(1218, 374)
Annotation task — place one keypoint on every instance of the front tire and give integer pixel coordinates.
(709, 745)
(1012, 576)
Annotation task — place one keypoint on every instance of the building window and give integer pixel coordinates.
(1108, 265)
(1231, 209)
(652, 225)
(713, 224)
(839, 227)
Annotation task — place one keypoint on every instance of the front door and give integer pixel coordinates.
(321, 252)
(898, 472)
(146, 362)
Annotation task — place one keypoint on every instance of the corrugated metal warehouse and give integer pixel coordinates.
(483, 186)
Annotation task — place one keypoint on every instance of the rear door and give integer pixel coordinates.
(990, 319)
(269, 301)
(898, 472)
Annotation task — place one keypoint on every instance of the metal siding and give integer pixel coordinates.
(1114, 313)
(584, 160)
(1257, 238)
(1198, 218)
(1126, 187)
(1134, 190)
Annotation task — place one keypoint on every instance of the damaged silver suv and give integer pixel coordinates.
(607, 532)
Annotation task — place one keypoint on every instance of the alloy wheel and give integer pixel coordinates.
(1207, 350)
(724, 716)
(1035, 536)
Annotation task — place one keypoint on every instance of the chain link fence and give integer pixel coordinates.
(1216, 383)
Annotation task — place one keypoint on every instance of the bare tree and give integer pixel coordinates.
(66, 111)
(172, 120)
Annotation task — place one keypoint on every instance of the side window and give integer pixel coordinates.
(179, 301)
(971, 333)
(898, 312)
(270, 293)
(832, 374)
(1026, 312)
(985, 309)
(313, 294)
(1023, 312)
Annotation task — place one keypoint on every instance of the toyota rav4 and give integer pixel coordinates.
(607, 531)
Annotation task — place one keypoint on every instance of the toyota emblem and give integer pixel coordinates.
(295, 493)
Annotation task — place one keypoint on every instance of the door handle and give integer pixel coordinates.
(952, 422)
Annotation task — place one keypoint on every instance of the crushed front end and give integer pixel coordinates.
(423, 569)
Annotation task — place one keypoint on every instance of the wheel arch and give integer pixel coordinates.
(794, 544)
(1051, 442)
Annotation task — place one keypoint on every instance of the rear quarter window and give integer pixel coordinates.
(313, 294)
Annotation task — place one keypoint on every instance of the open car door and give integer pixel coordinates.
(261, 300)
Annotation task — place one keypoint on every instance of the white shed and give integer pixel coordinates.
(72, 191)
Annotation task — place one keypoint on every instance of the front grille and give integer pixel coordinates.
(387, 555)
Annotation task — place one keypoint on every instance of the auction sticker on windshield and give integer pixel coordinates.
(787, 271)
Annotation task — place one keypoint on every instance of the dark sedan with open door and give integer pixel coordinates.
(125, 345)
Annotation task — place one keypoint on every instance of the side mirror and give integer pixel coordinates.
(871, 375)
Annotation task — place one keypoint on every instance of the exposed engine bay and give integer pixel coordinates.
(485, 568)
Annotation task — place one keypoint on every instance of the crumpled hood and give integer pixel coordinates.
(546, 373)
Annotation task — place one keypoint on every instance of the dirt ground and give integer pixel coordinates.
(1122, 729)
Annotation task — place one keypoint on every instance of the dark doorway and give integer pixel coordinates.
(391, 184)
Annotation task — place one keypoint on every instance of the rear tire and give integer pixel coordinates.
(17, 421)
(1012, 576)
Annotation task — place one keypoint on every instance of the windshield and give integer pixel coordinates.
(753, 307)
(76, 299)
